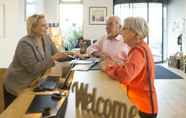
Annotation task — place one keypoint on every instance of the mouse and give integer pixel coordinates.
(46, 111)
(56, 96)
(38, 89)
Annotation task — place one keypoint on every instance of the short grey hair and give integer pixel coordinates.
(115, 19)
(137, 25)
(32, 22)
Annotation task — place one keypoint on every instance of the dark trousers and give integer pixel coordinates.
(145, 115)
(8, 98)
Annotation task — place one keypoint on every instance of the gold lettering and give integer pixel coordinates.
(103, 108)
(91, 101)
(75, 85)
(119, 110)
(133, 112)
(107, 109)
(81, 99)
(100, 99)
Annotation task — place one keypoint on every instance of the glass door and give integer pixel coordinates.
(140, 9)
(155, 34)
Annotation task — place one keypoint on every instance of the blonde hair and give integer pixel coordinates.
(137, 25)
(32, 22)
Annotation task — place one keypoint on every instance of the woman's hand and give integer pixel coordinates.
(106, 61)
(103, 65)
(59, 56)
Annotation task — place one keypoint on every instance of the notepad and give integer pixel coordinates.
(87, 61)
(84, 67)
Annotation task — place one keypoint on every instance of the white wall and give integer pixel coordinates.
(95, 31)
(176, 13)
(14, 29)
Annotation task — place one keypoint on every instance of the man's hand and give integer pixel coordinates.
(96, 54)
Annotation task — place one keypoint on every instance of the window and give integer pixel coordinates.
(71, 22)
(155, 34)
(70, 1)
(30, 7)
(152, 12)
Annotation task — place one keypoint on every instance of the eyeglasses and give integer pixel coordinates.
(127, 28)
(124, 28)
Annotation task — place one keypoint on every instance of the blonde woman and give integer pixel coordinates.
(137, 72)
(35, 53)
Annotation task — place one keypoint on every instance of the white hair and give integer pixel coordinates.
(137, 25)
(115, 19)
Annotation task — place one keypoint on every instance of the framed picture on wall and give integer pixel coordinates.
(97, 15)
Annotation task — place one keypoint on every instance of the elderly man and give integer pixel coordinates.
(110, 45)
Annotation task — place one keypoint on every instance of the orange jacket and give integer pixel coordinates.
(133, 74)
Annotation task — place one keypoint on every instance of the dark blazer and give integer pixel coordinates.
(28, 63)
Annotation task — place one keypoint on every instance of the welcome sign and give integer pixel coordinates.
(102, 107)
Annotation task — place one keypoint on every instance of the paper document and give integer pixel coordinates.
(87, 61)
(84, 67)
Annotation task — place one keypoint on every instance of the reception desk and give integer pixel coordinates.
(105, 87)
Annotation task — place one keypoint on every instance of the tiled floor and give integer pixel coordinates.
(172, 96)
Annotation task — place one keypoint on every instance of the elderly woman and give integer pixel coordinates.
(35, 53)
(137, 72)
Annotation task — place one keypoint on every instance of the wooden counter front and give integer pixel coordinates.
(19, 107)
(106, 88)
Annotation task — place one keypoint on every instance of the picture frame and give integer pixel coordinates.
(97, 15)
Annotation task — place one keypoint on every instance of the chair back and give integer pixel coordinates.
(2, 75)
